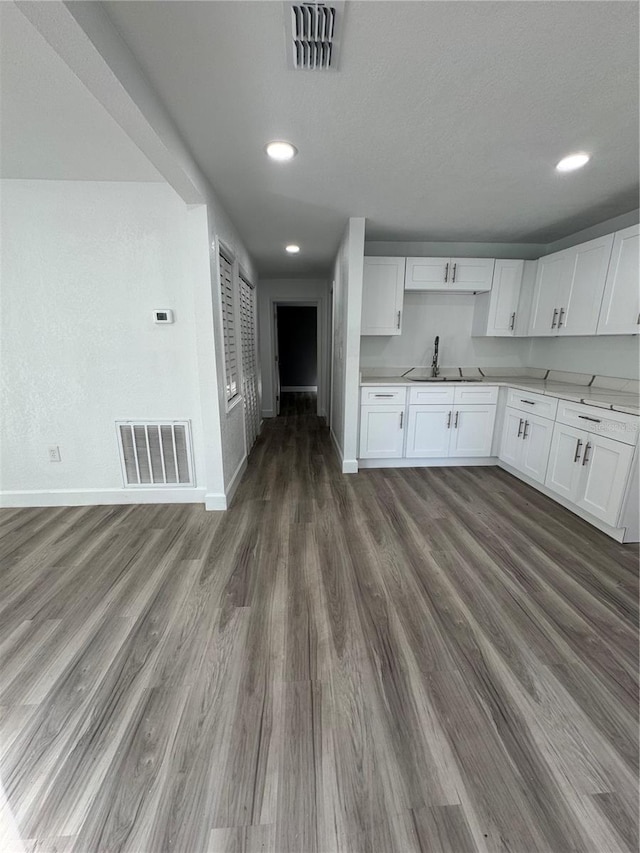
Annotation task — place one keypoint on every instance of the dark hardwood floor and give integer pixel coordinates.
(399, 660)
(298, 403)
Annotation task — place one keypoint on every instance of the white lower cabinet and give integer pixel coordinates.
(456, 430)
(472, 430)
(526, 441)
(589, 470)
(382, 432)
(429, 431)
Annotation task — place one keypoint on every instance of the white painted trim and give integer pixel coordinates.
(215, 502)
(235, 481)
(349, 466)
(298, 387)
(336, 446)
(617, 533)
(443, 462)
(100, 497)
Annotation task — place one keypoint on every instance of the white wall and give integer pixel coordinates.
(347, 312)
(83, 266)
(606, 355)
(271, 291)
(450, 316)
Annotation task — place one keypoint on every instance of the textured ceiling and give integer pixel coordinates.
(51, 127)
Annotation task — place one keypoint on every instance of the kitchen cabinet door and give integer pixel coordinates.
(565, 459)
(427, 274)
(620, 310)
(472, 275)
(429, 431)
(504, 298)
(382, 432)
(604, 472)
(511, 442)
(580, 308)
(382, 296)
(548, 294)
(536, 438)
(472, 430)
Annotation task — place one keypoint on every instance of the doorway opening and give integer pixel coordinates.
(296, 339)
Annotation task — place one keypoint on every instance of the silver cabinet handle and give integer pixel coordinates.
(528, 402)
(519, 429)
(446, 272)
(453, 277)
(513, 321)
(555, 317)
(587, 418)
(401, 419)
(383, 395)
(449, 420)
(399, 315)
(562, 311)
(525, 433)
(585, 458)
(577, 453)
(455, 425)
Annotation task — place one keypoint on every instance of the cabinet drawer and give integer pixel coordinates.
(475, 393)
(430, 394)
(383, 395)
(527, 401)
(618, 426)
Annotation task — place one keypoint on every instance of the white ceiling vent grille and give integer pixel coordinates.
(155, 454)
(313, 35)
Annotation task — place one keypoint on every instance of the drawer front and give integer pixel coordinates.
(430, 394)
(536, 404)
(618, 426)
(476, 393)
(383, 395)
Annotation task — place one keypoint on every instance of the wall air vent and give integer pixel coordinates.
(313, 35)
(155, 453)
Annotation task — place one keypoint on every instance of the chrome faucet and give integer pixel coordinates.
(435, 370)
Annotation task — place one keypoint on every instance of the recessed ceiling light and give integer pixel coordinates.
(573, 161)
(292, 249)
(281, 150)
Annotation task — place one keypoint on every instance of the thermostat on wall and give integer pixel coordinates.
(163, 315)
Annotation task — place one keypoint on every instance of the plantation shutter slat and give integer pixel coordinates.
(228, 328)
(249, 365)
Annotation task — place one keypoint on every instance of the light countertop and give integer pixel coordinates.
(605, 398)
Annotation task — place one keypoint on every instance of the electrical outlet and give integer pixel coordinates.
(54, 453)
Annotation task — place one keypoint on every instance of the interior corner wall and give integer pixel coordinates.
(83, 266)
(347, 298)
(291, 290)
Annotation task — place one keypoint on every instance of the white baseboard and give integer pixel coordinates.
(100, 497)
(446, 462)
(299, 388)
(235, 481)
(617, 533)
(215, 502)
(349, 466)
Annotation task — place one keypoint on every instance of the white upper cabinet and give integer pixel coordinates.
(495, 313)
(553, 273)
(452, 275)
(382, 296)
(581, 304)
(568, 289)
(620, 311)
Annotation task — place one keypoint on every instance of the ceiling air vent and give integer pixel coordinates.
(155, 454)
(313, 35)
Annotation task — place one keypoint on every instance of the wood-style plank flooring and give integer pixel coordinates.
(399, 660)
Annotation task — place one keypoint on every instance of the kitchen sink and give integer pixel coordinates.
(443, 379)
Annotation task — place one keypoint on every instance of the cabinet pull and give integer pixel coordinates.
(383, 395)
(446, 272)
(555, 317)
(562, 311)
(587, 418)
(449, 420)
(526, 427)
(577, 453)
(513, 321)
(528, 402)
(455, 424)
(519, 429)
(399, 314)
(453, 277)
(401, 419)
(585, 458)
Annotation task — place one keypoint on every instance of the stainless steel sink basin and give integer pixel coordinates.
(443, 379)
